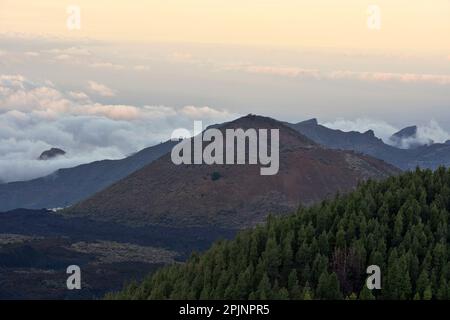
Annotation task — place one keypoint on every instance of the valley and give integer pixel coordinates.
(36, 247)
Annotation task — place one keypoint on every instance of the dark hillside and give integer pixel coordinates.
(322, 252)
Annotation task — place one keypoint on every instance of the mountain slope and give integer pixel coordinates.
(322, 252)
(68, 186)
(406, 133)
(431, 156)
(233, 196)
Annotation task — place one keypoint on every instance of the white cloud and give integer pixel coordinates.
(107, 65)
(35, 117)
(65, 54)
(440, 79)
(32, 53)
(141, 68)
(63, 57)
(11, 82)
(100, 89)
(292, 72)
(432, 131)
(75, 51)
(295, 72)
(78, 95)
(197, 113)
(184, 57)
(115, 112)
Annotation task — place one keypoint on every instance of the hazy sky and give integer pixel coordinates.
(407, 25)
(136, 70)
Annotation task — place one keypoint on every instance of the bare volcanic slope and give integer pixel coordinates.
(232, 196)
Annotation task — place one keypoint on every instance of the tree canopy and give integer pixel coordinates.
(322, 252)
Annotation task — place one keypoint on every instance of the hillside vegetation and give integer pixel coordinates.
(322, 252)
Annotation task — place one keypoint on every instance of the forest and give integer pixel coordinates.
(322, 252)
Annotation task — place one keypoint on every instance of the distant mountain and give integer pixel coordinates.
(407, 139)
(406, 133)
(51, 153)
(428, 156)
(67, 186)
(232, 196)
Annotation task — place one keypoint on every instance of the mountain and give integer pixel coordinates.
(51, 153)
(407, 139)
(366, 143)
(232, 196)
(68, 186)
(322, 252)
(426, 156)
(406, 133)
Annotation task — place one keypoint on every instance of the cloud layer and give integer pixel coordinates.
(100, 89)
(295, 72)
(35, 117)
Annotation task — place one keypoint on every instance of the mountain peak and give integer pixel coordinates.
(408, 132)
(310, 122)
(288, 136)
(51, 153)
(407, 138)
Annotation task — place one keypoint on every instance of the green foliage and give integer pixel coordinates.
(322, 252)
(366, 294)
(215, 176)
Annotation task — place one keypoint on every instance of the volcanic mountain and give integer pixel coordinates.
(232, 196)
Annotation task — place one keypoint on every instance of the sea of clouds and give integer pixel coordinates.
(35, 117)
(91, 111)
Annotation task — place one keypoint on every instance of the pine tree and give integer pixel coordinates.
(283, 294)
(264, 288)
(307, 293)
(293, 286)
(422, 283)
(333, 283)
(428, 294)
(366, 294)
(352, 296)
(272, 257)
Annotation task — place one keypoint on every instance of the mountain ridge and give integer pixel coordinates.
(424, 156)
(67, 186)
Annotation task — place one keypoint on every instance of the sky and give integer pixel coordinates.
(135, 71)
(298, 23)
